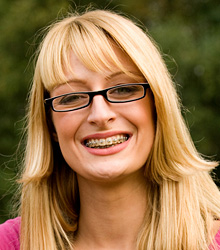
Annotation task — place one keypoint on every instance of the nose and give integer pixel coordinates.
(101, 113)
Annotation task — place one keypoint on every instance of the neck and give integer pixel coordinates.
(111, 214)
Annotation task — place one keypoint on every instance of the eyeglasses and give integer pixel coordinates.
(118, 94)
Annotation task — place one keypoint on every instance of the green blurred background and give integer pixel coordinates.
(186, 31)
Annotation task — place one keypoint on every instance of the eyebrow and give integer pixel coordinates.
(74, 80)
(123, 73)
(114, 75)
(106, 77)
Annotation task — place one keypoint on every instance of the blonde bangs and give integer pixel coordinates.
(92, 45)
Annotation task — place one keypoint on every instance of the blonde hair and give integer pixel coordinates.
(183, 198)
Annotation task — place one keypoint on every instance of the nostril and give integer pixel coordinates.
(101, 112)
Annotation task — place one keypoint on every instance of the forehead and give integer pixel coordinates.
(81, 78)
(78, 72)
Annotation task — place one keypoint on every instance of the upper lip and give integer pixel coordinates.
(105, 135)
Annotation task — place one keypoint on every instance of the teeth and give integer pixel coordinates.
(108, 141)
(102, 142)
(105, 143)
(96, 143)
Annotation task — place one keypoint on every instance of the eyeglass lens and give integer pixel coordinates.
(117, 94)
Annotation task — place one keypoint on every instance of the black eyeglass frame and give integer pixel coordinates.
(103, 92)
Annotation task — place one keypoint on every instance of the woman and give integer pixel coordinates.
(109, 161)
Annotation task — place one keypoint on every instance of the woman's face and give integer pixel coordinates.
(101, 120)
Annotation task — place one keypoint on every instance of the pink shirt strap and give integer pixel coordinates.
(9, 234)
(216, 243)
(217, 239)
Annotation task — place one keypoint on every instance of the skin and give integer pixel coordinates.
(111, 184)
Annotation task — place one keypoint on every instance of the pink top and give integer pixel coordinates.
(217, 238)
(10, 231)
(9, 234)
(217, 241)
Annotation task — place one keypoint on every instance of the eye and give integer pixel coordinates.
(125, 90)
(126, 93)
(72, 99)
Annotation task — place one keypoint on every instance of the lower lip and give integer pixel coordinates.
(108, 151)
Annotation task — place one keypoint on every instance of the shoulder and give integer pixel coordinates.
(9, 234)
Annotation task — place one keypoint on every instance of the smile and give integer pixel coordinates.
(106, 142)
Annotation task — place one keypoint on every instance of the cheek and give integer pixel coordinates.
(146, 130)
(144, 119)
(148, 111)
(143, 115)
(65, 126)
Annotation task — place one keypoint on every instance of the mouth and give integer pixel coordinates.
(106, 142)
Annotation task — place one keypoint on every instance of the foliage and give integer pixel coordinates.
(188, 33)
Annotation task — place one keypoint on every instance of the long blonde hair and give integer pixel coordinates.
(183, 198)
